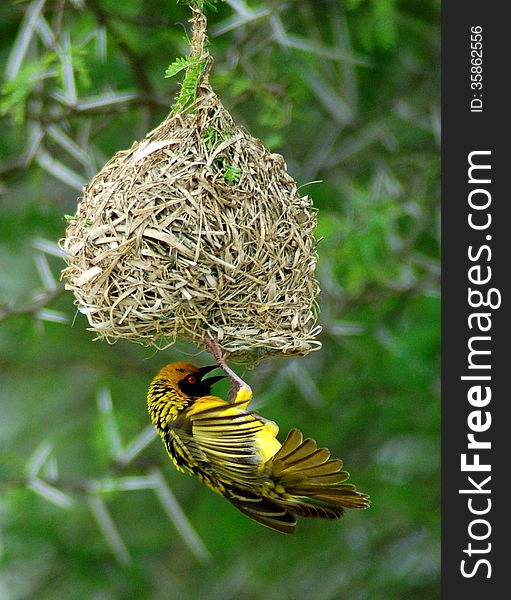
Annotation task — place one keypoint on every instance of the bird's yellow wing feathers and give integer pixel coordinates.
(226, 441)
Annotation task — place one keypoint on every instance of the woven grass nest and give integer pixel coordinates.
(197, 229)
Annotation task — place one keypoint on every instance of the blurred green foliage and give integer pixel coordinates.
(348, 92)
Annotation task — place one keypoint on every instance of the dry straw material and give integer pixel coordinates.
(197, 229)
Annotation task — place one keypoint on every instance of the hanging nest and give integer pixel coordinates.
(197, 229)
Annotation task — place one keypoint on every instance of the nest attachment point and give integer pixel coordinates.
(197, 229)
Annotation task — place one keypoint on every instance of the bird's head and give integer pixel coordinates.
(188, 379)
(175, 387)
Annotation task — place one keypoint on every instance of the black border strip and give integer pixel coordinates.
(476, 258)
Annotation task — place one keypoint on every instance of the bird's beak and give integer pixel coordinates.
(211, 380)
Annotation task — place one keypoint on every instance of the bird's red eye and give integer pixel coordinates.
(191, 379)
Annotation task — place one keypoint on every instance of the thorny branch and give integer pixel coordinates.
(32, 308)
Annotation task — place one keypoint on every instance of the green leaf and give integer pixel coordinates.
(194, 69)
(232, 174)
(181, 63)
(16, 92)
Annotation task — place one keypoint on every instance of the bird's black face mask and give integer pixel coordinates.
(193, 384)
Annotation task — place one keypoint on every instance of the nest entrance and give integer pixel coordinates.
(197, 229)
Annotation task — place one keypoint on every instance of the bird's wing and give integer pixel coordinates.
(225, 441)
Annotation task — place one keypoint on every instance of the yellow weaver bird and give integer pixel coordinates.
(235, 452)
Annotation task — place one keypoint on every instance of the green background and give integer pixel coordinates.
(348, 92)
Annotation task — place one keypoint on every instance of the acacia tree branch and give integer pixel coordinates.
(32, 308)
(136, 62)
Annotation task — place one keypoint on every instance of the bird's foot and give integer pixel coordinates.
(236, 382)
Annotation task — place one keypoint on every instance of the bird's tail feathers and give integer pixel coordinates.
(304, 478)
(301, 479)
